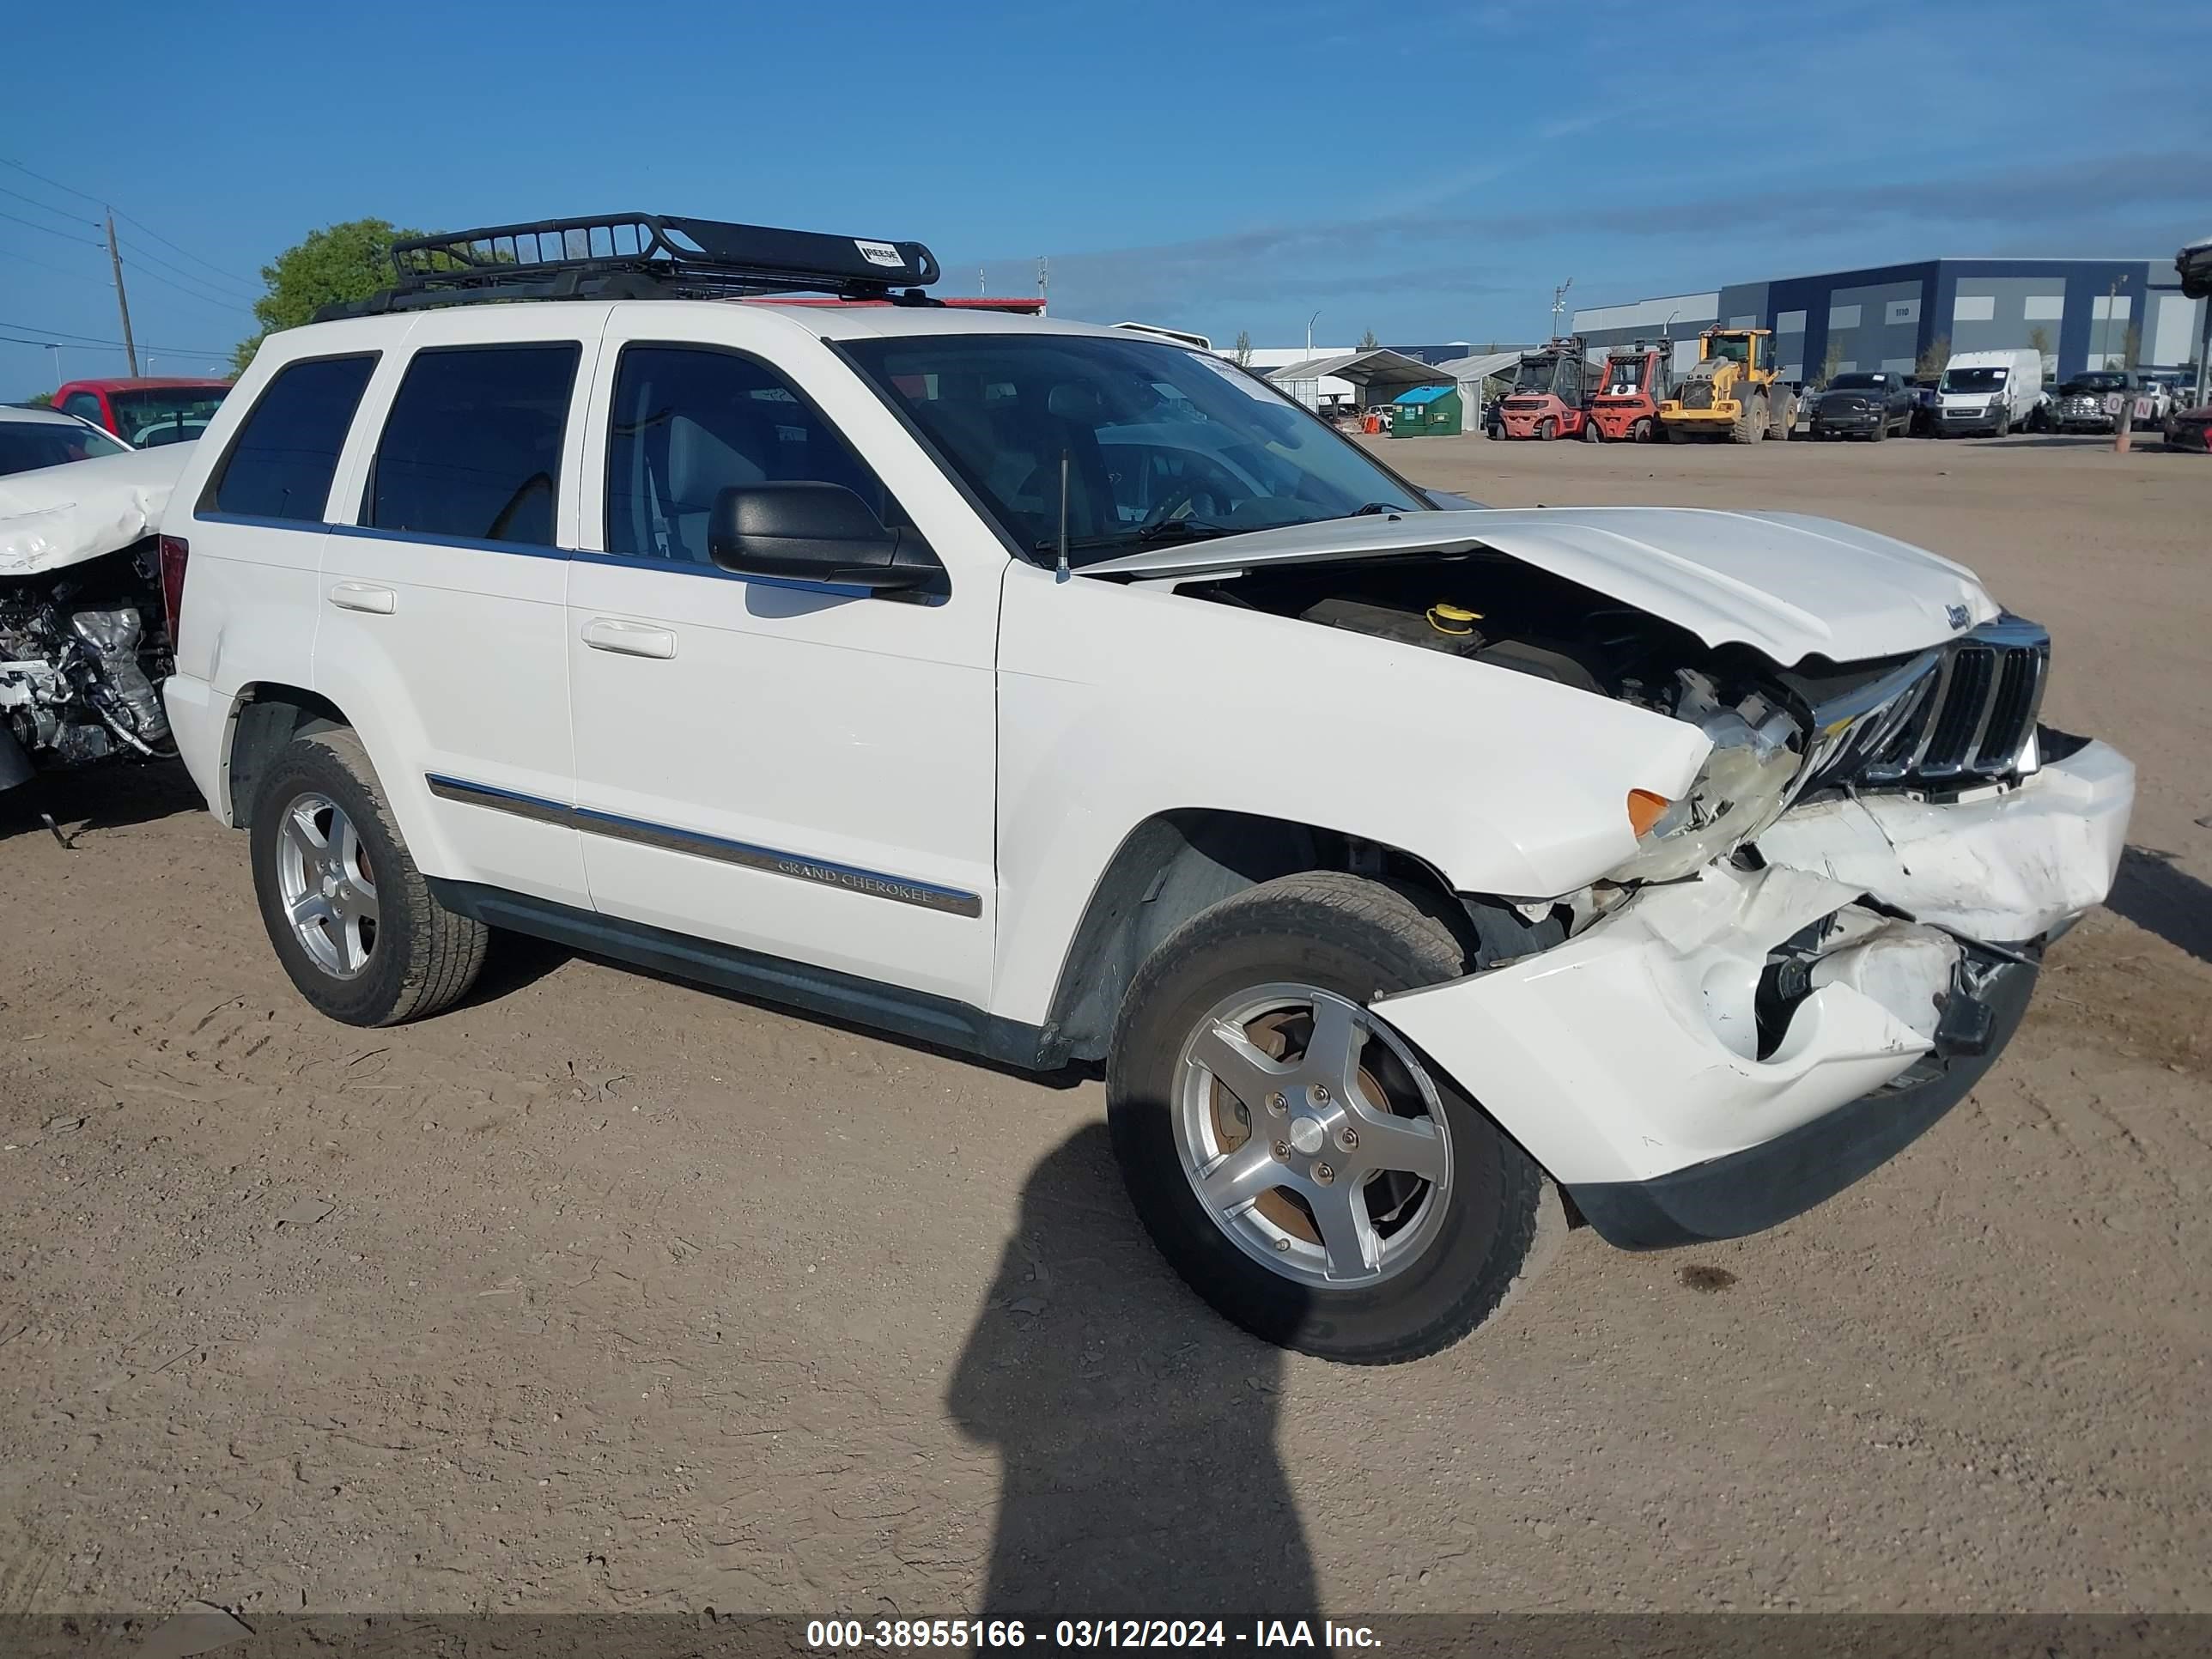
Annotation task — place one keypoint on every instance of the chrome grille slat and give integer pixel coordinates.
(1966, 719)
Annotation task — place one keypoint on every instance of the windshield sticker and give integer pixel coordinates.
(1250, 384)
(881, 253)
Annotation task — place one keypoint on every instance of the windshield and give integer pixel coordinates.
(1735, 348)
(1624, 376)
(1158, 442)
(27, 446)
(1538, 374)
(1860, 382)
(1973, 379)
(166, 415)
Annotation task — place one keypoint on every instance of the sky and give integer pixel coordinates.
(1428, 170)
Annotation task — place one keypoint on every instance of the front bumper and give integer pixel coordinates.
(1968, 420)
(1848, 420)
(1627, 1061)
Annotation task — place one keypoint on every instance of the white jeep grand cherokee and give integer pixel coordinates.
(1061, 695)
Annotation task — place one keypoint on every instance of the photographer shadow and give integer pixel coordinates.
(1136, 1429)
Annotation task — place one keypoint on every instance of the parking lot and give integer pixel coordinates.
(608, 1292)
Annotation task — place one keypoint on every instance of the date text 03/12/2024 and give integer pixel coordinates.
(901, 1634)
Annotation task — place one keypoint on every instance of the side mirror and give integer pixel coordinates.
(818, 533)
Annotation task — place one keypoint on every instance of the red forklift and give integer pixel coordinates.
(1625, 409)
(1551, 393)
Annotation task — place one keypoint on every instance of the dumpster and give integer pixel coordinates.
(1426, 411)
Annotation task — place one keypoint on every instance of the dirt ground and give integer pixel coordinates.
(605, 1292)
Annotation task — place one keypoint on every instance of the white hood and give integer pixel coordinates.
(1786, 585)
(58, 516)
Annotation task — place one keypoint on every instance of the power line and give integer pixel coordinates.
(52, 184)
(142, 257)
(86, 196)
(65, 236)
(225, 303)
(226, 275)
(62, 337)
(57, 212)
(11, 253)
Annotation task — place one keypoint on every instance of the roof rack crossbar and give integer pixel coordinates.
(642, 256)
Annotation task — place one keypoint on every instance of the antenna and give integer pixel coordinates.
(1061, 571)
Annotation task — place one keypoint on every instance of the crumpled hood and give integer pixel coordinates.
(58, 516)
(1787, 584)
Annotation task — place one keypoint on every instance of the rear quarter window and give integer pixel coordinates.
(286, 453)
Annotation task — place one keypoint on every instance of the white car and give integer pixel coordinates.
(1426, 877)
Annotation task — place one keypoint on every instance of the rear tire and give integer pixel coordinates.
(1437, 1253)
(1591, 435)
(350, 916)
(1547, 429)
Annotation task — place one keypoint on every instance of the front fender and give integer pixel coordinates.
(1120, 703)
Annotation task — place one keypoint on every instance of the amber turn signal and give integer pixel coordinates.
(1644, 810)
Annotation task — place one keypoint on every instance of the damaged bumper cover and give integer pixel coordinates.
(1647, 1065)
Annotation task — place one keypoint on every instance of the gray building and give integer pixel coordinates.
(2084, 313)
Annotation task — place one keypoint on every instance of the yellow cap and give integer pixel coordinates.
(1452, 618)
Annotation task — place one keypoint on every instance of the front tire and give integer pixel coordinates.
(350, 916)
(1302, 1168)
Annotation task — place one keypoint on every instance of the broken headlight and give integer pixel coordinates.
(1741, 789)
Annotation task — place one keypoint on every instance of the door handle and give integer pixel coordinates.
(629, 639)
(364, 596)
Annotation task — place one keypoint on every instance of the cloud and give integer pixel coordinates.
(1408, 252)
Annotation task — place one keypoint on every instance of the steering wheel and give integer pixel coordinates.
(1212, 487)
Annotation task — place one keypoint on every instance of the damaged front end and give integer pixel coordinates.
(81, 652)
(1811, 958)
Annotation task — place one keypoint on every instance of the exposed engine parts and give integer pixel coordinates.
(81, 652)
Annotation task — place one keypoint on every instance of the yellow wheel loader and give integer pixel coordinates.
(1731, 392)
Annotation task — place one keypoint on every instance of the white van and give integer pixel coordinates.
(1988, 391)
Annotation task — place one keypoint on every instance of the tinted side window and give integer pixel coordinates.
(687, 424)
(281, 464)
(472, 445)
(84, 405)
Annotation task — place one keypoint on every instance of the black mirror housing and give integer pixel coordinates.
(818, 533)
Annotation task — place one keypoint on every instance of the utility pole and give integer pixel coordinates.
(122, 300)
(1310, 321)
(56, 350)
(1560, 304)
(1044, 280)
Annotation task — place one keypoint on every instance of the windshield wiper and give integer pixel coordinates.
(1168, 530)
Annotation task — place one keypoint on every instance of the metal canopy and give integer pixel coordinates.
(1385, 372)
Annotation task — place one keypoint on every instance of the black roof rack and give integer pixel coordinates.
(642, 256)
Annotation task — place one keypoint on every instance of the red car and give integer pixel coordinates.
(148, 412)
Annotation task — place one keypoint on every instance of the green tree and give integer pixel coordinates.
(1367, 342)
(40, 399)
(348, 261)
(2132, 349)
(1833, 362)
(1932, 361)
(2038, 340)
(1243, 348)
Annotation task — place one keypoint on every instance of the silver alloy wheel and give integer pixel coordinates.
(327, 886)
(1312, 1135)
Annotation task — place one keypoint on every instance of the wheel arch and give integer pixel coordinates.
(1176, 864)
(266, 715)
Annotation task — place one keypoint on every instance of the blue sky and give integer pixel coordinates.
(1429, 171)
